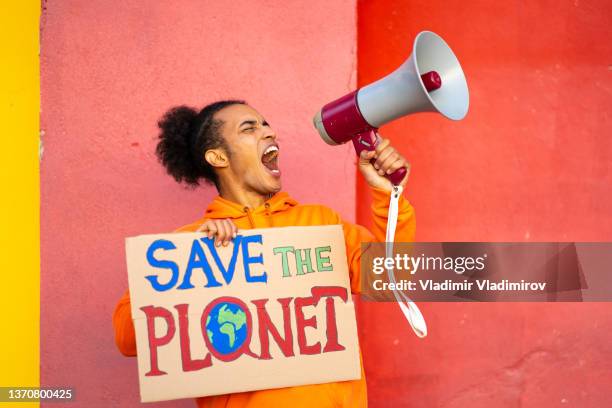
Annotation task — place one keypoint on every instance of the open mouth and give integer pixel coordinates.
(270, 159)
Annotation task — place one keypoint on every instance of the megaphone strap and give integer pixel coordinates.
(407, 306)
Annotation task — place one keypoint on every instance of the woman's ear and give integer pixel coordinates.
(216, 158)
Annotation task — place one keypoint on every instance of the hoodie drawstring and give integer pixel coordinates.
(247, 210)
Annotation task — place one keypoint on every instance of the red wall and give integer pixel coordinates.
(109, 70)
(531, 162)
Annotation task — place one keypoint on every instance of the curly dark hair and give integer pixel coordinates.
(184, 138)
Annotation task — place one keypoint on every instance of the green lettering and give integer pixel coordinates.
(283, 251)
(302, 259)
(323, 262)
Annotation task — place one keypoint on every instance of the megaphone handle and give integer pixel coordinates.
(368, 140)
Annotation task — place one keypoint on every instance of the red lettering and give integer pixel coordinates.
(302, 323)
(330, 314)
(154, 342)
(266, 326)
(188, 363)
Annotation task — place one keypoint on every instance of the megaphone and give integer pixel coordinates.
(430, 80)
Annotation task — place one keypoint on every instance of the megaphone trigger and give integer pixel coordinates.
(368, 140)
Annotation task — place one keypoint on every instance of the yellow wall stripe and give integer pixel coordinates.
(19, 205)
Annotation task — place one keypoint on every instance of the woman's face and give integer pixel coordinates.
(253, 151)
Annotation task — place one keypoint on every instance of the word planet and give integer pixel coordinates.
(227, 328)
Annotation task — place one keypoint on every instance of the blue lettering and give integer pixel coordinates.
(247, 260)
(197, 259)
(228, 274)
(156, 263)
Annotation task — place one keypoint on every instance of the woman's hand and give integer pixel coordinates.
(223, 230)
(387, 161)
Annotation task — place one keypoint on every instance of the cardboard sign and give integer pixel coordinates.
(271, 310)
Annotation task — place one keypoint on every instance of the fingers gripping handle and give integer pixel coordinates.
(368, 140)
(397, 176)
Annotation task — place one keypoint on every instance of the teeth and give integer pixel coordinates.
(271, 149)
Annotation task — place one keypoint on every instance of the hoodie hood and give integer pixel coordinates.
(222, 208)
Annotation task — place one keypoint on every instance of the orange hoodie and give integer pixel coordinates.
(281, 211)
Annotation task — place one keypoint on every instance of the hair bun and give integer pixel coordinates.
(178, 126)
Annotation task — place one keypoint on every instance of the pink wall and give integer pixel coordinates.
(531, 162)
(108, 72)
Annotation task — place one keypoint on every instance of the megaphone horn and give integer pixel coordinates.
(431, 79)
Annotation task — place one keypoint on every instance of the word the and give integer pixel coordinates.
(303, 259)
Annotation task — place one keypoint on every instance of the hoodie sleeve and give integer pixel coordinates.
(125, 336)
(355, 235)
(406, 223)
